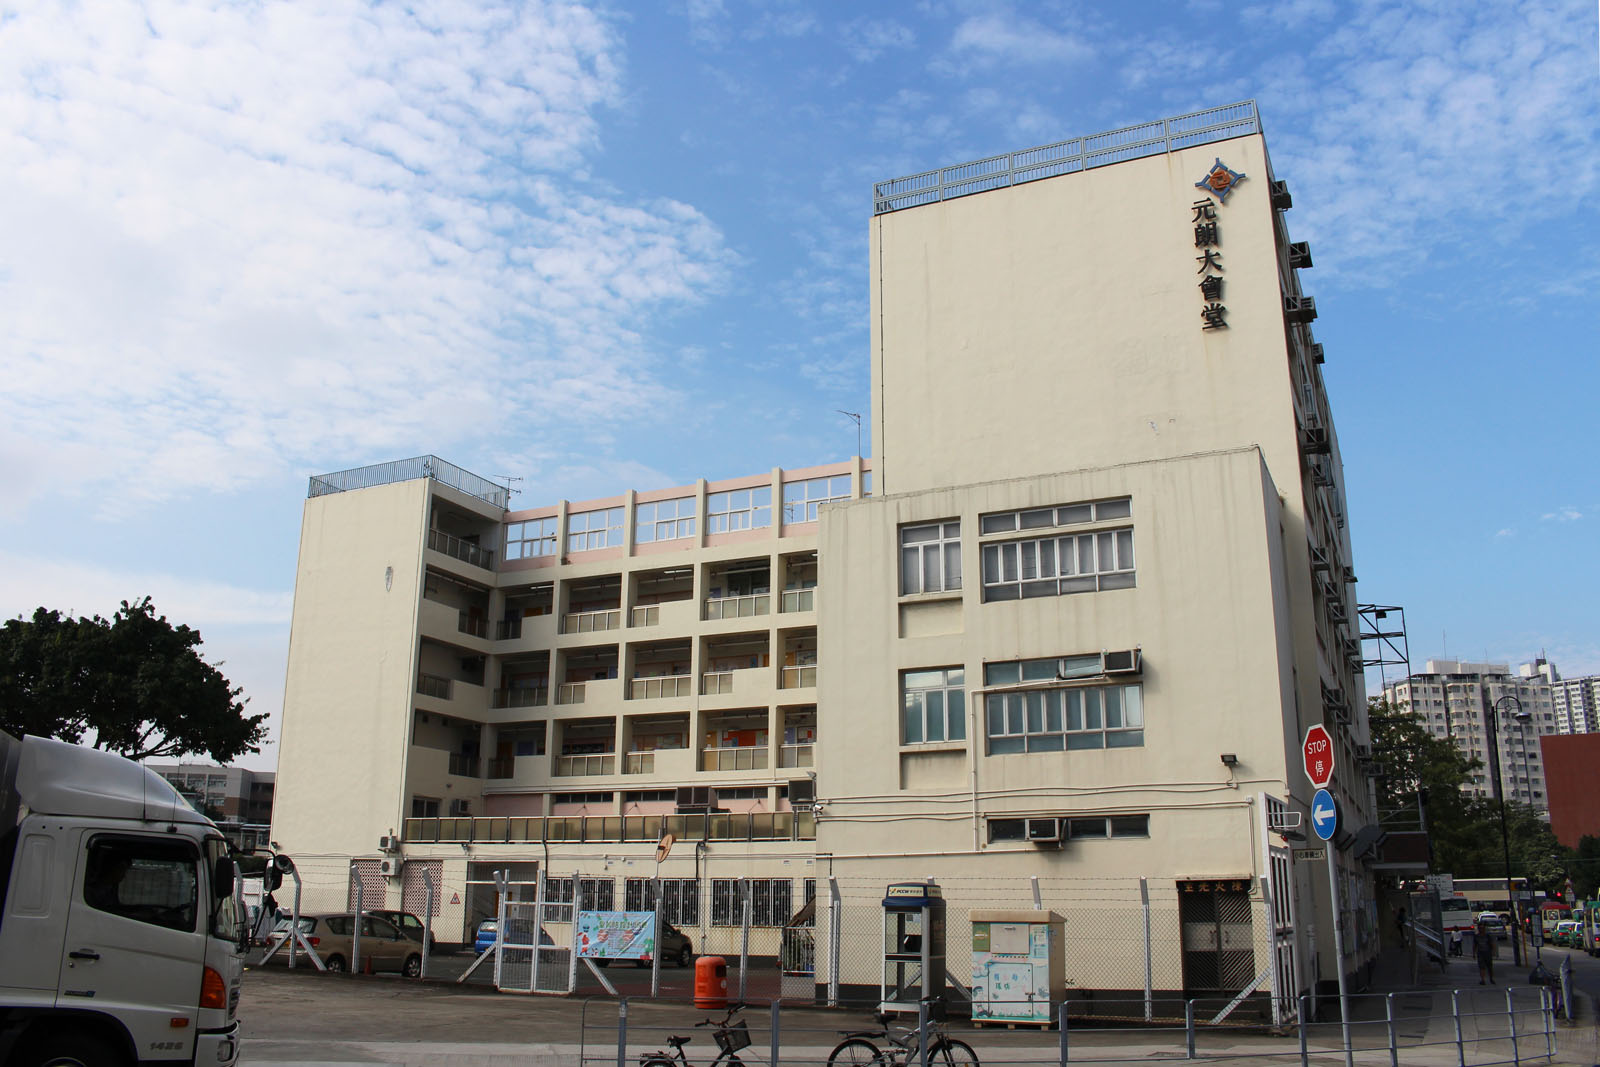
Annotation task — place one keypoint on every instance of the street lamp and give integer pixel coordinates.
(1507, 704)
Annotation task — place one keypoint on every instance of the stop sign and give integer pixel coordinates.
(1318, 754)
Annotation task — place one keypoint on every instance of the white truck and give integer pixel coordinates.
(121, 933)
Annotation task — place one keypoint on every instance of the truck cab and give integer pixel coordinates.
(121, 929)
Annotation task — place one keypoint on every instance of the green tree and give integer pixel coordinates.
(132, 684)
(1584, 864)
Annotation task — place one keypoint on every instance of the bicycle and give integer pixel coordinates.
(730, 1037)
(860, 1047)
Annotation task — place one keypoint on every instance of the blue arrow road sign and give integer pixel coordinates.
(1324, 814)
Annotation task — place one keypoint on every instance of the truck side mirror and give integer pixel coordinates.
(222, 877)
(271, 878)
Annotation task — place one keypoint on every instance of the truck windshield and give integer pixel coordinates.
(226, 920)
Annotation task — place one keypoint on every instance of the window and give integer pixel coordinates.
(930, 558)
(424, 807)
(1056, 717)
(664, 520)
(800, 499)
(866, 483)
(933, 706)
(1056, 566)
(535, 537)
(1073, 827)
(588, 530)
(771, 901)
(680, 899)
(582, 798)
(147, 881)
(739, 509)
(1062, 515)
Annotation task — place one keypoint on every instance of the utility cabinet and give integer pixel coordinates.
(913, 945)
(1017, 965)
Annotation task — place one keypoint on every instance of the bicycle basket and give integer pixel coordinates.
(733, 1038)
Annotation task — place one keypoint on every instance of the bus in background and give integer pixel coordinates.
(1455, 913)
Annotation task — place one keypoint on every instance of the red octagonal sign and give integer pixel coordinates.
(1318, 753)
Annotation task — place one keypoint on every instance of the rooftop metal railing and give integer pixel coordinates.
(1066, 157)
(405, 470)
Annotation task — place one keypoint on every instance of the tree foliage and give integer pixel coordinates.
(1584, 864)
(133, 684)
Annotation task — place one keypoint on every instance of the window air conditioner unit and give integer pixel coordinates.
(693, 799)
(802, 794)
(1317, 354)
(388, 844)
(1280, 195)
(389, 867)
(1299, 309)
(1044, 831)
(1314, 441)
(1299, 255)
(1122, 662)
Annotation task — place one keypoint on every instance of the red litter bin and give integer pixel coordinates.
(711, 982)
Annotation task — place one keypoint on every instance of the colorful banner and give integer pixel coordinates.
(616, 935)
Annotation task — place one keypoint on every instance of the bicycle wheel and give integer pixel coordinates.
(658, 1061)
(948, 1052)
(853, 1051)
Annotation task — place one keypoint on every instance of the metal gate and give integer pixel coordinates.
(1218, 943)
(519, 940)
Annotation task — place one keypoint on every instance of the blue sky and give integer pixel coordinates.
(598, 247)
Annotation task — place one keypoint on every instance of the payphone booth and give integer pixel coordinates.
(913, 946)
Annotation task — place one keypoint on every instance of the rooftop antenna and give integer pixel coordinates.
(509, 487)
(854, 416)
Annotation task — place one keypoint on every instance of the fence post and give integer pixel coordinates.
(1455, 1011)
(427, 921)
(1063, 1028)
(294, 919)
(1511, 1018)
(744, 938)
(773, 1057)
(1149, 976)
(622, 1024)
(833, 940)
(1305, 1017)
(1547, 1013)
(922, 1032)
(1394, 1040)
(1188, 1027)
(355, 931)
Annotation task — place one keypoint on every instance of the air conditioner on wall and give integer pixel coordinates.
(802, 794)
(389, 867)
(1126, 661)
(388, 844)
(1044, 831)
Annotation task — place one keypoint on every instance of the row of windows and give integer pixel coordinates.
(1075, 827)
(1050, 716)
(669, 520)
(930, 554)
(771, 899)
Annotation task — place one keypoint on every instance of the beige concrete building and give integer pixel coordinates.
(1066, 647)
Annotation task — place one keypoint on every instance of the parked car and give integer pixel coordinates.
(1493, 924)
(332, 936)
(487, 930)
(409, 924)
(676, 948)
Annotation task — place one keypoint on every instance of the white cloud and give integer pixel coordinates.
(1435, 128)
(1562, 514)
(867, 38)
(1504, 532)
(1004, 37)
(29, 582)
(241, 238)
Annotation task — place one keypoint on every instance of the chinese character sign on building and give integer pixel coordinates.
(1219, 182)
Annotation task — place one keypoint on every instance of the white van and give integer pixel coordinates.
(121, 934)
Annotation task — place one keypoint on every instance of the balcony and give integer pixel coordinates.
(801, 755)
(668, 687)
(589, 622)
(456, 548)
(570, 692)
(744, 758)
(521, 698)
(476, 625)
(799, 600)
(588, 764)
(738, 607)
(502, 767)
(464, 765)
(649, 615)
(804, 677)
(639, 763)
(714, 682)
(432, 685)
